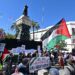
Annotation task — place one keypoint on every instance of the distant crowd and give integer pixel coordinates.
(58, 61)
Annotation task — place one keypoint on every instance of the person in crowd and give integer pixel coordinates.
(69, 58)
(53, 71)
(23, 55)
(55, 53)
(24, 66)
(52, 58)
(73, 54)
(61, 60)
(20, 57)
(69, 69)
(45, 53)
(35, 54)
(65, 58)
(29, 55)
(9, 64)
(17, 72)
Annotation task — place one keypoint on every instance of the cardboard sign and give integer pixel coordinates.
(38, 63)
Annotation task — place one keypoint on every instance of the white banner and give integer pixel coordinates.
(21, 50)
(38, 63)
(2, 46)
(16, 50)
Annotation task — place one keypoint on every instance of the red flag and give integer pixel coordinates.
(4, 54)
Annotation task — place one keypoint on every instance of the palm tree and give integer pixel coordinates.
(16, 28)
(9, 36)
(35, 25)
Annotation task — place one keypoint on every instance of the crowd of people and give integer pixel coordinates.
(58, 61)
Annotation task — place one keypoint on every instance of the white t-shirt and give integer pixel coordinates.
(19, 73)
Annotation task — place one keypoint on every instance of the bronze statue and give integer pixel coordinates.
(25, 12)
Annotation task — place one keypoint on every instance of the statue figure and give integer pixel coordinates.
(25, 12)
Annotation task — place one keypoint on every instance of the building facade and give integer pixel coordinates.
(70, 42)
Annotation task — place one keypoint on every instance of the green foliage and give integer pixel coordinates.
(9, 36)
(35, 25)
(16, 28)
(62, 44)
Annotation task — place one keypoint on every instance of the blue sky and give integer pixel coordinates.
(51, 11)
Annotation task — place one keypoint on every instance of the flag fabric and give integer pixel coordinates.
(55, 34)
(5, 54)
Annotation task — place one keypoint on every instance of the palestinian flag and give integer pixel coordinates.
(5, 54)
(55, 34)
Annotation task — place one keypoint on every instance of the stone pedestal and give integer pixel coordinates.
(25, 33)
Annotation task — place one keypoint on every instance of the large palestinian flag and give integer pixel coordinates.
(55, 34)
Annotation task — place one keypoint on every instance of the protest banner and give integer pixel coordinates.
(38, 63)
(16, 50)
(21, 50)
